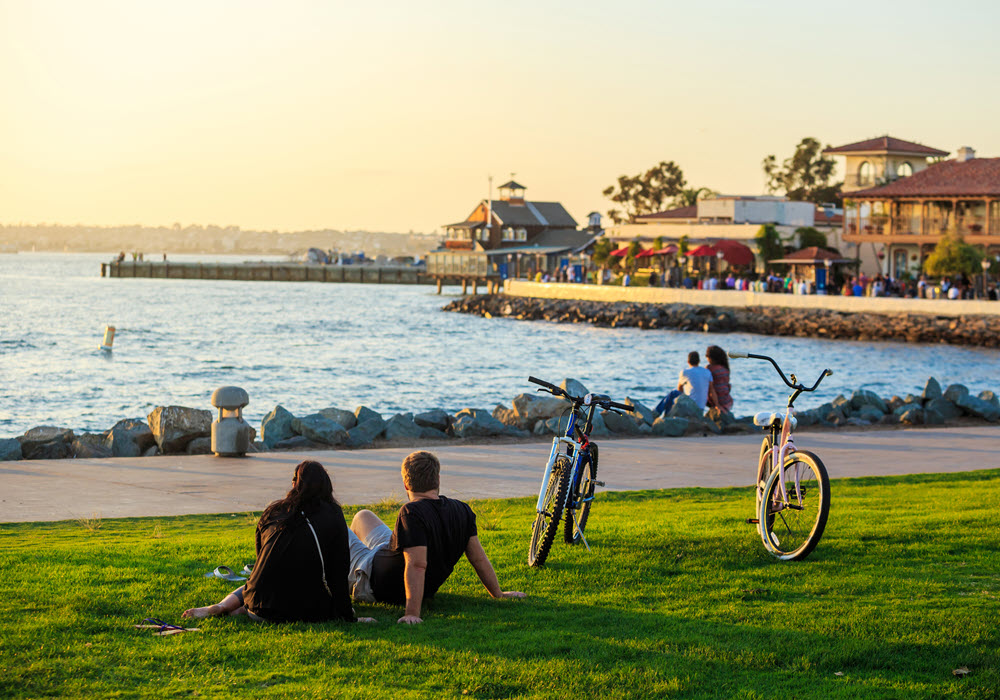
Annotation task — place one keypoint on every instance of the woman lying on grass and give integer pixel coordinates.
(302, 559)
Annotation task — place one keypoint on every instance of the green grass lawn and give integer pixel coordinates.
(677, 598)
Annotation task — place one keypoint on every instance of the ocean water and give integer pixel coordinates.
(308, 346)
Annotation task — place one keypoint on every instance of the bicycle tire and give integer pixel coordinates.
(762, 472)
(543, 531)
(581, 492)
(790, 533)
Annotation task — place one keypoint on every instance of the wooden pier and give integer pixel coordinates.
(295, 272)
(267, 272)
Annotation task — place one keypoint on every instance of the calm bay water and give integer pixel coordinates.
(308, 346)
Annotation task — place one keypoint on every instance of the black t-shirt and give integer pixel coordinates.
(443, 525)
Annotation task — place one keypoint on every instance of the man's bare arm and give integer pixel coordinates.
(415, 559)
(476, 555)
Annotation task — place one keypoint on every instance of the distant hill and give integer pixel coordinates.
(154, 241)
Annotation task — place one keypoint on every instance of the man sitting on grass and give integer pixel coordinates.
(407, 565)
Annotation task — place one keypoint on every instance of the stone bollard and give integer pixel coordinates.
(230, 433)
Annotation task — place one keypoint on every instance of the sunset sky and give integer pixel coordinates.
(390, 115)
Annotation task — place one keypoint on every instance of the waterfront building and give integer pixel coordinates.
(905, 218)
(514, 237)
(873, 163)
(733, 218)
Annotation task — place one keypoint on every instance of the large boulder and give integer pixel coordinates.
(553, 426)
(436, 418)
(932, 390)
(684, 407)
(475, 422)
(47, 442)
(932, 417)
(370, 426)
(507, 416)
(346, 419)
(670, 427)
(175, 426)
(868, 414)
(433, 434)
(91, 446)
(276, 427)
(573, 387)
(199, 446)
(402, 428)
(702, 426)
(531, 407)
(945, 408)
(622, 424)
(863, 397)
(297, 442)
(911, 415)
(364, 414)
(319, 429)
(643, 412)
(10, 449)
(975, 406)
(956, 391)
(129, 438)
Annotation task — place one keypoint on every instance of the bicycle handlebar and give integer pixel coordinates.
(791, 384)
(598, 399)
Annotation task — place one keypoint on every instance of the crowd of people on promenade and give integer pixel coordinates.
(310, 565)
(958, 287)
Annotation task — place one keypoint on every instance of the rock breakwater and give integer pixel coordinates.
(180, 430)
(982, 331)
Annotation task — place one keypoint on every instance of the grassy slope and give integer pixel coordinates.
(677, 599)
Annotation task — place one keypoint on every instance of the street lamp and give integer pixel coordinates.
(985, 264)
(827, 263)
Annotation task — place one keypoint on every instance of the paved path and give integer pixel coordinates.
(124, 487)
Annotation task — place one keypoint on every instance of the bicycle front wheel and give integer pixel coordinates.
(792, 521)
(543, 532)
(581, 496)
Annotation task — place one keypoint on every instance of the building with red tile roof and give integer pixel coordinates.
(882, 159)
(905, 218)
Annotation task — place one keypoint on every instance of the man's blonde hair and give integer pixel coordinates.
(421, 472)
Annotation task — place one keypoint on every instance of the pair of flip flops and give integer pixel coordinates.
(227, 574)
(163, 628)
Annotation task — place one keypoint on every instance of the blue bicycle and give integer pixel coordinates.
(570, 474)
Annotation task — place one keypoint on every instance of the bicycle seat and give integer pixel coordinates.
(765, 419)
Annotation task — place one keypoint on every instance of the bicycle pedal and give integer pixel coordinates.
(753, 521)
(598, 483)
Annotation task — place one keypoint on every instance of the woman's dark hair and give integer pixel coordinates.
(311, 487)
(717, 356)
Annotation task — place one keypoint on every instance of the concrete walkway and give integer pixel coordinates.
(125, 487)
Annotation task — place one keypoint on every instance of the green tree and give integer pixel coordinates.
(688, 197)
(602, 251)
(769, 245)
(953, 256)
(808, 237)
(683, 245)
(645, 193)
(803, 177)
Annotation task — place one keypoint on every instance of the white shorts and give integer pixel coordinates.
(362, 557)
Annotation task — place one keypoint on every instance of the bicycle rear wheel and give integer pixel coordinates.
(792, 527)
(581, 494)
(543, 532)
(763, 468)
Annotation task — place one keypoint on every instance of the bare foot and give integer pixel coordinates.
(208, 611)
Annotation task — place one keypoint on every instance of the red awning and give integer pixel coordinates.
(620, 253)
(702, 251)
(669, 250)
(735, 253)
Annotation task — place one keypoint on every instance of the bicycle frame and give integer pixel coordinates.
(575, 450)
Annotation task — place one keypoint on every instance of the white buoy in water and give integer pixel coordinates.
(109, 338)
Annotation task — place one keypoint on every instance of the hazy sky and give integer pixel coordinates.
(390, 115)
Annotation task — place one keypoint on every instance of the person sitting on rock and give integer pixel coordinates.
(694, 381)
(302, 558)
(408, 564)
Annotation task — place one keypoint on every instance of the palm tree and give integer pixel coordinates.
(689, 197)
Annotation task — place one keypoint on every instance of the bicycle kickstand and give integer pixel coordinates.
(576, 526)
